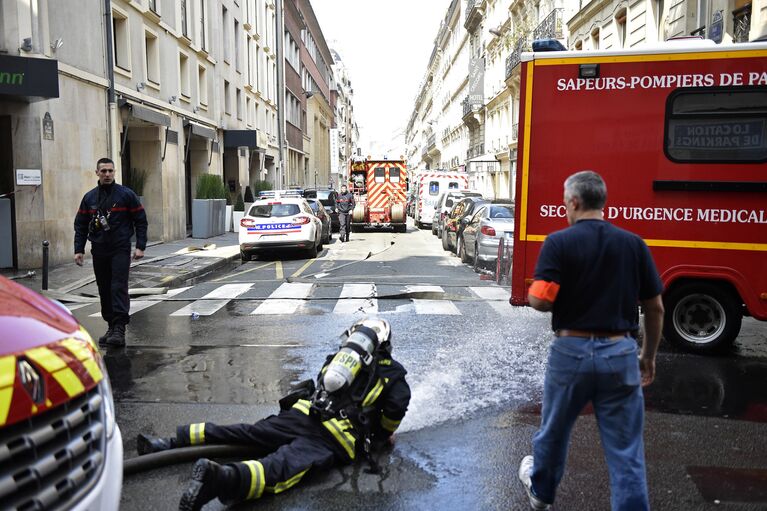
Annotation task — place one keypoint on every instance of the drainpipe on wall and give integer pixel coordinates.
(111, 101)
(279, 43)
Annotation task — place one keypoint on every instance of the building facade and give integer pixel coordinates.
(466, 112)
(344, 136)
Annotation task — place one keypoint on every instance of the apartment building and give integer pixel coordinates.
(344, 136)
(169, 89)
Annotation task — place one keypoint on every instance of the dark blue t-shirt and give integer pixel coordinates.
(603, 271)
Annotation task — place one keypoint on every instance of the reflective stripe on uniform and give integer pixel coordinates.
(197, 433)
(337, 429)
(7, 376)
(281, 487)
(60, 371)
(373, 394)
(302, 405)
(388, 424)
(85, 356)
(257, 479)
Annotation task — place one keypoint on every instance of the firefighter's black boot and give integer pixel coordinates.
(209, 480)
(117, 337)
(146, 444)
(103, 338)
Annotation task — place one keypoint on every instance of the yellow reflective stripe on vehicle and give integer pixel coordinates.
(63, 375)
(7, 371)
(343, 437)
(373, 394)
(6, 395)
(302, 405)
(257, 479)
(281, 487)
(85, 356)
(388, 424)
(88, 338)
(197, 433)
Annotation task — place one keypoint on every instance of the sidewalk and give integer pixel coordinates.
(165, 265)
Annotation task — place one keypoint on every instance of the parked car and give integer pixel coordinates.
(60, 446)
(454, 223)
(445, 203)
(490, 224)
(328, 199)
(319, 211)
(277, 223)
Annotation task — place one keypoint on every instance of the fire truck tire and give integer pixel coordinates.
(398, 213)
(702, 317)
(358, 215)
(400, 228)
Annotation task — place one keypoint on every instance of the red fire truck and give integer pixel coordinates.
(679, 134)
(379, 188)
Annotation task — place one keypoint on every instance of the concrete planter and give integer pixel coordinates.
(228, 219)
(208, 217)
(236, 217)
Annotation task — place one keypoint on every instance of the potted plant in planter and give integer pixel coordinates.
(239, 212)
(249, 199)
(209, 207)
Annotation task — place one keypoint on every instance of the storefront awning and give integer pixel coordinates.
(240, 138)
(28, 79)
(144, 113)
(200, 130)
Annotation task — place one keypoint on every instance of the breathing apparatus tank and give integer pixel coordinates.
(358, 348)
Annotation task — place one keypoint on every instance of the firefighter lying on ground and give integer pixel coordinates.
(358, 402)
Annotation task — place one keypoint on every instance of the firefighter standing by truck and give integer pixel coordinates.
(345, 206)
(360, 399)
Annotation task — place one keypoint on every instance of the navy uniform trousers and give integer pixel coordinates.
(111, 267)
(292, 443)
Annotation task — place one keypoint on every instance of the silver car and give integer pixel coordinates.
(484, 231)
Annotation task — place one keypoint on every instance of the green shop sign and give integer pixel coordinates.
(29, 78)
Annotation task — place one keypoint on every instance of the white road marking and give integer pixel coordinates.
(357, 298)
(286, 299)
(139, 305)
(229, 291)
(437, 307)
(497, 297)
(201, 307)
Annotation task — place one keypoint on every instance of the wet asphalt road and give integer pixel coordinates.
(476, 369)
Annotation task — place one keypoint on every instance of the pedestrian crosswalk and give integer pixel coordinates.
(291, 298)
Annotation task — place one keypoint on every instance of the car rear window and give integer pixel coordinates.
(394, 175)
(500, 212)
(274, 210)
(380, 174)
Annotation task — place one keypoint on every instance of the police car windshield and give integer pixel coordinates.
(273, 210)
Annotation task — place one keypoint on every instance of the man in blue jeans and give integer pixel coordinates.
(591, 276)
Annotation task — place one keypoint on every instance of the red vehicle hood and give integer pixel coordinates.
(46, 358)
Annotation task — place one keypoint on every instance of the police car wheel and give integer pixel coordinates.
(702, 317)
(312, 251)
(245, 256)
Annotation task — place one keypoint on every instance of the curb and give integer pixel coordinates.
(181, 278)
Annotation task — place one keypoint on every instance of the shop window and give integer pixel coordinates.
(719, 125)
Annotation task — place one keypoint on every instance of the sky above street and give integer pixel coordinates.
(385, 45)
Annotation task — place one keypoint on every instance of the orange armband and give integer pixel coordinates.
(544, 290)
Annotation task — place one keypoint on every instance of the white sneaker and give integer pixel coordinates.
(525, 469)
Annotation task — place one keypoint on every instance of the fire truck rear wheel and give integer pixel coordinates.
(702, 317)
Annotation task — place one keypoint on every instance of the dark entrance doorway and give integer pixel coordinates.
(7, 200)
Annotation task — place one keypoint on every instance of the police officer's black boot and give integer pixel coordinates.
(103, 338)
(146, 444)
(117, 337)
(209, 480)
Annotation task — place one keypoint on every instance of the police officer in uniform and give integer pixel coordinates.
(345, 206)
(359, 400)
(108, 217)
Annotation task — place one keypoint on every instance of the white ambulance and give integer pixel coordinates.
(430, 184)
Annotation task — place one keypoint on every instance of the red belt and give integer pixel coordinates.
(595, 334)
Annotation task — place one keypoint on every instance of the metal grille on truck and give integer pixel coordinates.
(49, 461)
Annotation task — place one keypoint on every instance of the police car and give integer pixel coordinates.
(279, 222)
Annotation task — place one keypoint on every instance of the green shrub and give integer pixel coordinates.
(261, 186)
(210, 186)
(239, 204)
(135, 180)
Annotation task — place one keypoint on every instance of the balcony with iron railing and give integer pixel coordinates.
(475, 151)
(474, 15)
(523, 44)
(431, 141)
(471, 105)
(552, 26)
